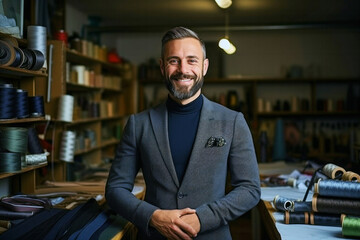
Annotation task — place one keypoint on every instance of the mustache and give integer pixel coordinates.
(178, 76)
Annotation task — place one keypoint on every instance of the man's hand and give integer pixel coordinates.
(170, 224)
(193, 220)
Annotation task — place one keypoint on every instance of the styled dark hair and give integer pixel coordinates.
(179, 33)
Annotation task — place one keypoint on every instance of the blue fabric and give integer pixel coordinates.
(92, 227)
(61, 223)
(34, 227)
(183, 122)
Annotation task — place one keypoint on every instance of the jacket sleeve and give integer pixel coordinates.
(121, 181)
(244, 173)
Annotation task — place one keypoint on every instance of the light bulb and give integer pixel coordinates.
(227, 46)
(223, 3)
(231, 49)
(224, 43)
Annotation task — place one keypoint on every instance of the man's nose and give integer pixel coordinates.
(184, 67)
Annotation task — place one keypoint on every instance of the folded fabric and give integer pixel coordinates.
(7, 214)
(23, 203)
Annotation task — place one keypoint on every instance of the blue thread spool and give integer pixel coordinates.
(22, 104)
(7, 101)
(36, 106)
(279, 151)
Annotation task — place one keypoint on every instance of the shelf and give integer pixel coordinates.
(80, 87)
(23, 120)
(24, 170)
(109, 142)
(308, 113)
(76, 57)
(20, 72)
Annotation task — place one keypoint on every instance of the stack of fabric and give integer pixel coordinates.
(335, 202)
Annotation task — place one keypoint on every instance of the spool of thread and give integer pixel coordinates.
(263, 146)
(279, 152)
(36, 36)
(7, 101)
(267, 106)
(322, 219)
(34, 145)
(10, 162)
(22, 104)
(19, 57)
(296, 218)
(62, 36)
(10, 40)
(67, 148)
(325, 219)
(36, 106)
(294, 104)
(350, 226)
(350, 176)
(7, 54)
(80, 73)
(65, 109)
(13, 139)
(333, 171)
(335, 205)
(291, 205)
(35, 159)
(337, 188)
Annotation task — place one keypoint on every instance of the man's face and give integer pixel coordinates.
(184, 67)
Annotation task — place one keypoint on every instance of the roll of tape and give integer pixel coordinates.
(7, 54)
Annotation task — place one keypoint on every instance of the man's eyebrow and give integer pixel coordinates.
(172, 57)
(187, 57)
(191, 56)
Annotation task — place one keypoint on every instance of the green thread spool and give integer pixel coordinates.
(14, 139)
(351, 226)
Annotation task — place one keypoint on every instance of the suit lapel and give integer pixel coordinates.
(159, 122)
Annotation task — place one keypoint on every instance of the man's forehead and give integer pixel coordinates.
(183, 44)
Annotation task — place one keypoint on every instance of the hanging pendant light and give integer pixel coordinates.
(223, 3)
(225, 43)
(227, 46)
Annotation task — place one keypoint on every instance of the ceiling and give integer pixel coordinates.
(150, 15)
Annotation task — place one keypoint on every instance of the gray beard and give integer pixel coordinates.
(183, 94)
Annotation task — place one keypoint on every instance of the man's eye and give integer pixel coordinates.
(173, 61)
(192, 61)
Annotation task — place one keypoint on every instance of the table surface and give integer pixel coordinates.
(277, 229)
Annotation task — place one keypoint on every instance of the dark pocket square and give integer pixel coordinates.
(215, 142)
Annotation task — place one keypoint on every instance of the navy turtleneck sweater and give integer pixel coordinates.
(183, 121)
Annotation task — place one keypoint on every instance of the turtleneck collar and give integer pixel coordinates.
(175, 107)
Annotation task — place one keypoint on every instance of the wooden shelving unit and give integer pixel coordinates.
(23, 181)
(252, 88)
(104, 125)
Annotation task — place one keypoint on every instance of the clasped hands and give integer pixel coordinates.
(177, 224)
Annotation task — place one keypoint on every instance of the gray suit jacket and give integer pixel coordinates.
(145, 145)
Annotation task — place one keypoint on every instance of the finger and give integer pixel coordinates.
(186, 211)
(185, 228)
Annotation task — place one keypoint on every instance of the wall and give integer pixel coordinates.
(320, 52)
(326, 53)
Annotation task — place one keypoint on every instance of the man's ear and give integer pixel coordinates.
(161, 63)
(206, 66)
